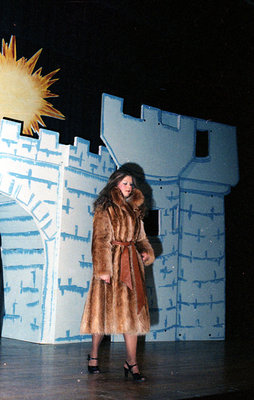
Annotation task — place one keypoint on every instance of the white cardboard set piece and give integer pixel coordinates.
(46, 194)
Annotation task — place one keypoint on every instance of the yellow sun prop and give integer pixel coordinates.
(22, 92)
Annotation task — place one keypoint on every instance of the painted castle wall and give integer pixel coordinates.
(186, 285)
(46, 195)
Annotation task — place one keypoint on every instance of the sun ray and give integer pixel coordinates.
(23, 91)
(33, 60)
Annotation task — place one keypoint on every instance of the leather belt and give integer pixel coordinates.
(125, 274)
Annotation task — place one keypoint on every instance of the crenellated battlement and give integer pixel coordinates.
(161, 136)
(47, 149)
(81, 158)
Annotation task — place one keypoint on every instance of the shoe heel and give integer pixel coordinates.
(135, 375)
(92, 369)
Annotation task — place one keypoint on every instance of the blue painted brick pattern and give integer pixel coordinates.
(46, 195)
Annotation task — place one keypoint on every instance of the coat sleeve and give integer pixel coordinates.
(143, 245)
(101, 244)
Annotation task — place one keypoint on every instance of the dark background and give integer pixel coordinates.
(194, 58)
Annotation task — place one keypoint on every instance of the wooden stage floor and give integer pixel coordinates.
(175, 370)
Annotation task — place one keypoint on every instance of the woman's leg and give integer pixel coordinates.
(96, 341)
(131, 351)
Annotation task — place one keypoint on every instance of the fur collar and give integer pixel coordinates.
(135, 200)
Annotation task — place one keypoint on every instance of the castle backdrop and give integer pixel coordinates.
(47, 190)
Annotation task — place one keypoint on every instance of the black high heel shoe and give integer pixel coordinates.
(136, 376)
(92, 369)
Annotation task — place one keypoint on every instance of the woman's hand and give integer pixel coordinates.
(105, 278)
(144, 256)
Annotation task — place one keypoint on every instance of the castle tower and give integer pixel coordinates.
(186, 285)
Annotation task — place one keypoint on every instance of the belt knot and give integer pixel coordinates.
(125, 274)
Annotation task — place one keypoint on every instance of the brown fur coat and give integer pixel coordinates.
(112, 308)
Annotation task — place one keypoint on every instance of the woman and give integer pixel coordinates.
(117, 301)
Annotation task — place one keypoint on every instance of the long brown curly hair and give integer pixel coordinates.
(104, 198)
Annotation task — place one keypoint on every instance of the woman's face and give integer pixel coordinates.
(125, 185)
